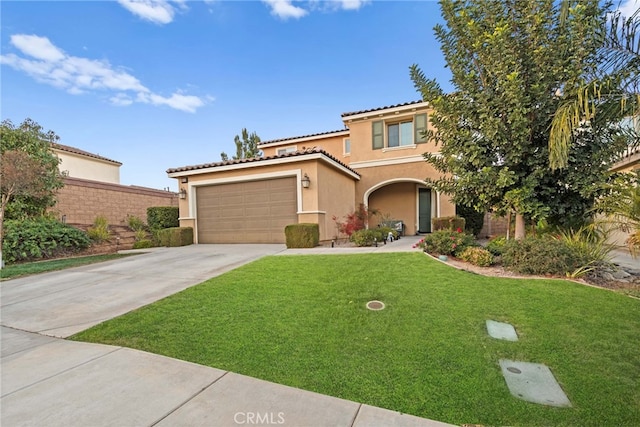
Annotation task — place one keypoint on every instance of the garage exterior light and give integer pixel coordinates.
(306, 181)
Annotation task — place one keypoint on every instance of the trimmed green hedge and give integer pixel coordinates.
(305, 235)
(452, 223)
(175, 236)
(159, 217)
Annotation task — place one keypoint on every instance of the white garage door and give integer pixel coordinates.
(246, 212)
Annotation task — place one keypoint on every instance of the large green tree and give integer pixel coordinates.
(509, 61)
(246, 148)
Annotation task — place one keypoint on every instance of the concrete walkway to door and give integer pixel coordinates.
(55, 382)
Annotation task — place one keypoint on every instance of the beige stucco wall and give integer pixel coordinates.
(397, 201)
(336, 196)
(361, 137)
(75, 166)
(332, 145)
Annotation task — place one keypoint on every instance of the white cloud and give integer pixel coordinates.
(629, 7)
(285, 9)
(37, 47)
(352, 4)
(48, 64)
(156, 11)
(188, 103)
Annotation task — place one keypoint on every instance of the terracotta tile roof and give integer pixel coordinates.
(303, 136)
(353, 113)
(299, 153)
(74, 150)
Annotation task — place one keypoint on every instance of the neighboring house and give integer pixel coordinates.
(629, 161)
(376, 161)
(76, 163)
(630, 158)
(92, 188)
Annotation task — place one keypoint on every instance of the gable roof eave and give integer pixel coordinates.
(67, 149)
(295, 157)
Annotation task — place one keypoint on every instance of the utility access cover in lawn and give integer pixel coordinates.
(501, 331)
(533, 382)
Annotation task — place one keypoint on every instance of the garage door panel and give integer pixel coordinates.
(246, 212)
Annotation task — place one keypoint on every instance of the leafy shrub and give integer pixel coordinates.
(160, 217)
(453, 223)
(140, 235)
(589, 245)
(366, 237)
(143, 244)
(100, 230)
(355, 220)
(446, 242)
(477, 256)
(135, 223)
(540, 255)
(175, 236)
(305, 235)
(474, 220)
(384, 232)
(37, 238)
(496, 245)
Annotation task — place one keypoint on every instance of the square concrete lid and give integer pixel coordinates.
(501, 331)
(533, 382)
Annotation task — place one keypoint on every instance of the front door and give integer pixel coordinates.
(424, 210)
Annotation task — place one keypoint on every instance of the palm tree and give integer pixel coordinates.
(607, 98)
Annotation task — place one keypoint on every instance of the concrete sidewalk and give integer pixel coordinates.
(52, 382)
(49, 381)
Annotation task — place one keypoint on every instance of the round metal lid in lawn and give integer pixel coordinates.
(375, 305)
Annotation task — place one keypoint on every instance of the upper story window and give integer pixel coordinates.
(388, 134)
(286, 150)
(347, 146)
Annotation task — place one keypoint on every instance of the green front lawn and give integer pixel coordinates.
(28, 268)
(302, 321)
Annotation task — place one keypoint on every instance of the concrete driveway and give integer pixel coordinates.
(55, 382)
(63, 303)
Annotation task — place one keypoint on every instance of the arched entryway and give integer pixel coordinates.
(405, 199)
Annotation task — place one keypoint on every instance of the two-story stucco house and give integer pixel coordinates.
(376, 160)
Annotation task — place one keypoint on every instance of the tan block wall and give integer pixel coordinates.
(81, 201)
(493, 226)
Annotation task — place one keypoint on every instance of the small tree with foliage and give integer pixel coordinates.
(29, 173)
(246, 148)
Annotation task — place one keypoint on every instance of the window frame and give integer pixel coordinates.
(286, 150)
(346, 146)
(380, 132)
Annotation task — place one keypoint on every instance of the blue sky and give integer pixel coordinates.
(157, 84)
